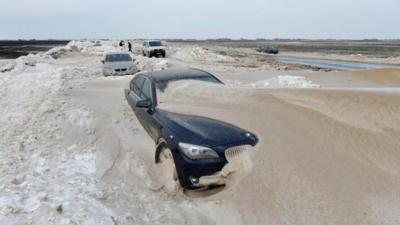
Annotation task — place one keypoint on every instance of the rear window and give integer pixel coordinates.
(118, 58)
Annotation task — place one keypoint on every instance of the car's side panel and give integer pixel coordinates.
(151, 125)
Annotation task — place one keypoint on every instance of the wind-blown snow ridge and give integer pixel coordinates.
(285, 81)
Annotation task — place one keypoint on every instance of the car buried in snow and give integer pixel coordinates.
(193, 150)
(118, 63)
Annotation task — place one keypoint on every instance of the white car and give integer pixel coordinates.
(118, 63)
(153, 48)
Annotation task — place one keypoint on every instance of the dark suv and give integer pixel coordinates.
(195, 148)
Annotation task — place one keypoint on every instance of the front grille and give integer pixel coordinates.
(235, 152)
(121, 70)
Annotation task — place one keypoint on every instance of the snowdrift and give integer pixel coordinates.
(324, 157)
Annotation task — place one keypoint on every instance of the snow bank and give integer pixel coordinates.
(6, 65)
(84, 47)
(285, 81)
(199, 54)
(151, 64)
(47, 160)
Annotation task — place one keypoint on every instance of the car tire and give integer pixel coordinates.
(144, 54)
(169, 175)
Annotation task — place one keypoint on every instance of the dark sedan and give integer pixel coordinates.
(198, 148)
(270, 49)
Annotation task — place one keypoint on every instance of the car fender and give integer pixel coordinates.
(161, 144)
(166, 140)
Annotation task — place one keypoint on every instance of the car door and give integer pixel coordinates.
(148, 121)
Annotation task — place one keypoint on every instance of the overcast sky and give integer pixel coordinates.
(74, 19)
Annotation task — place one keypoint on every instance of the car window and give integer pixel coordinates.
(118, 58)
(136, 85)
(155, 43)
(146, 90)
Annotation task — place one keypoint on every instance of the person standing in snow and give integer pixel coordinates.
(121, 45)
(129, 46)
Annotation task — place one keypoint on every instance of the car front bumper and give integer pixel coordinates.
(119, 73)
(189, 170)
(158, 51)
(219, 178)
(195, 174)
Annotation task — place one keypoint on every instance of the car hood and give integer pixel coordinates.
(118, 65)
(206, 132)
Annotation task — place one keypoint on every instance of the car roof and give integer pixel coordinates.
(176, 74)
(117, 53)
(152, 40)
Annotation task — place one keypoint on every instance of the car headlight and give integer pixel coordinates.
(197, 152)
(131, 68)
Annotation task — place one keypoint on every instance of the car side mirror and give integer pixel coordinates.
(143, 104)
(102, 61)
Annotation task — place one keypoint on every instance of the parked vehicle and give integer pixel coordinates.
(198, 148)
(270, 49)
(153, 48)
(97, 44)
(118, 63)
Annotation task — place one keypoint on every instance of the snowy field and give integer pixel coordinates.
(72, 151)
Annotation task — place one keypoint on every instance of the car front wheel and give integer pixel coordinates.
(169, 176)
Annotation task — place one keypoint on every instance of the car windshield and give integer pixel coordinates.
(118, 58)
(155, 43)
